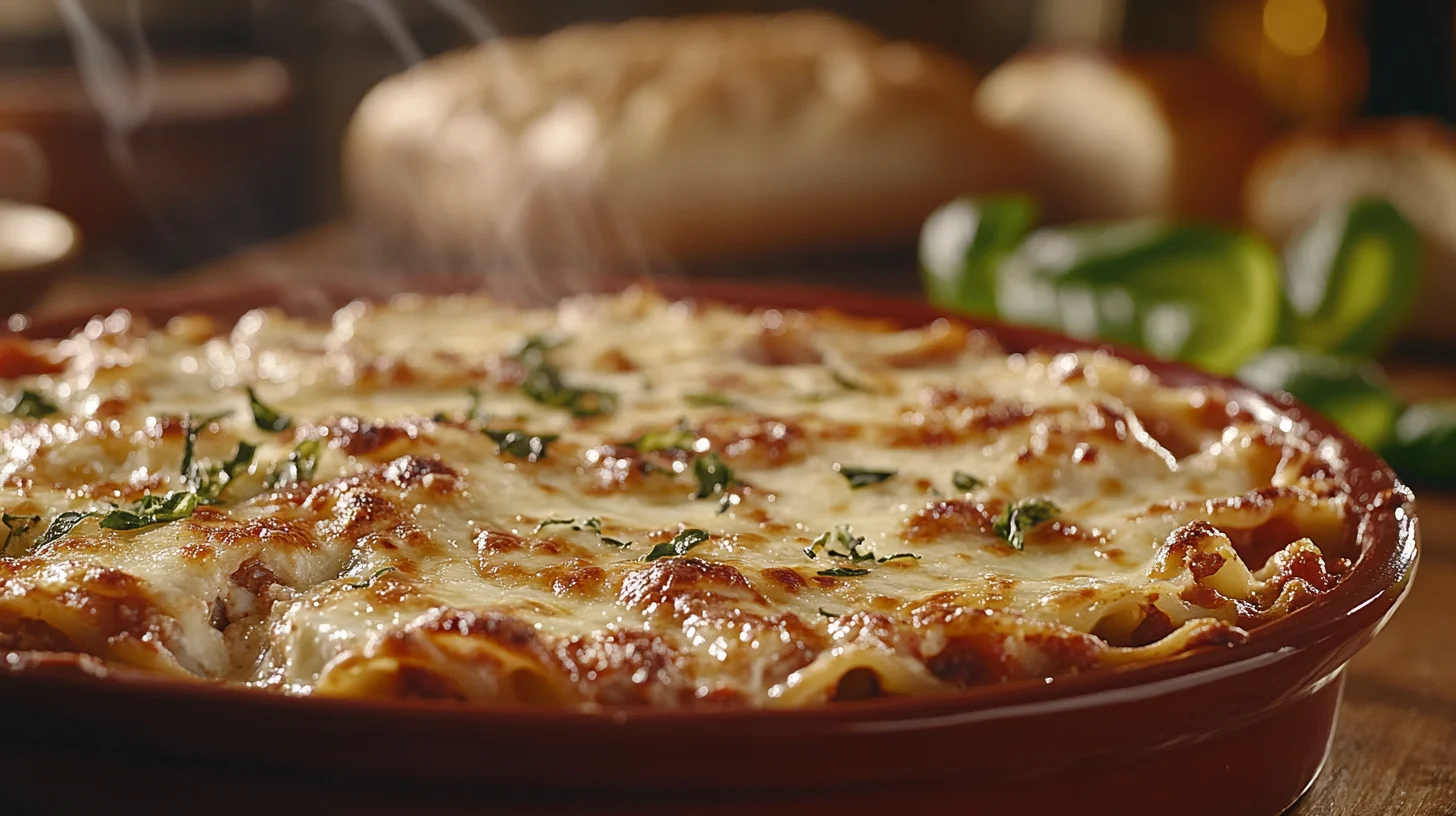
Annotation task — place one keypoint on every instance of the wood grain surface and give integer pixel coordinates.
(1394, 751)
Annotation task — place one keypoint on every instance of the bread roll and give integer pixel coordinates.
(688, 138)
(1128, 136)
(1411, 162)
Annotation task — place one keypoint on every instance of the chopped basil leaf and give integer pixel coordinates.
(1018, 518)
(712, 474)
(552, 522)
(679, 437)
(829, 615)
(32, 405)
(964, 481)
(190, 431)
(150, 510)
(843, 381)
(544, 384)
(594, 524)
(520, 444)
(709, 399)
(298, 468)
(210, 480)
(897, 555)
(843, 572)
(841, 543)
(728, 501)
(621, 545)
(267, 419)
(472, 411)
(64, 523)
(679, 545)
(863, 477)
(368, 582)
(16, 527)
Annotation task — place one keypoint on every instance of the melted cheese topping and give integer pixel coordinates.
(430, 554)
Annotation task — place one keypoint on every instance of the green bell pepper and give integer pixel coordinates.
(1350, 392)
(1201, 294)
(961, 245)
(1351, 278)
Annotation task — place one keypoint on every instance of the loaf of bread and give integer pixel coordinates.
(1411, 162)
(1125, 136)
(672, 139)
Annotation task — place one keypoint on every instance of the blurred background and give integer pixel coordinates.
(239, 140)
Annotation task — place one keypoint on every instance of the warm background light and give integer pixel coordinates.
(1306, 55)
(1296, 27)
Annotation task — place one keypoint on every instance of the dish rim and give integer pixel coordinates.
(1363, 600)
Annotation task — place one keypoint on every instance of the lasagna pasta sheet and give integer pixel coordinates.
(630, 501)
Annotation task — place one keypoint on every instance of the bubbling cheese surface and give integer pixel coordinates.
(630, 501)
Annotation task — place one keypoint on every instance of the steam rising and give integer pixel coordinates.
(120, 78)
(470, 18)
(508, 263)
(24, 174)
(122, 94)
(392, 26)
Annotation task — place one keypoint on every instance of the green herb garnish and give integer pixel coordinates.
(64, 523)
(846, 383)
(190, 431)
(594, 524)
(679, 437)
(829, 615)
(843, 572)
(712, 474)
(840, 543)
(544, 384)
(368, 582)
(518, 443)
(1022, 516)
(709, 399)
(210, 480)
(16, 527)
(612, 542)
(965, 482)
(679, 545)
(32, 405)
(472, 410)
(863, 477)
(299, 467)
(150, 510)
(267, 419)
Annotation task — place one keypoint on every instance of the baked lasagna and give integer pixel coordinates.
(626, 500)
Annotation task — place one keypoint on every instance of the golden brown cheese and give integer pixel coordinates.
(629, 501)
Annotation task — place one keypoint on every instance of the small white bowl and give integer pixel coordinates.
(37, 246)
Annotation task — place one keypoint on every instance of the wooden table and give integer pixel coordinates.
(1395, 747)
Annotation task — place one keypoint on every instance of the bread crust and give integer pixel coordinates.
(682, 139)
(1129, 135)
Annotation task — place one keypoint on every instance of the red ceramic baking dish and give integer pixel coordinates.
(1241, 730)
